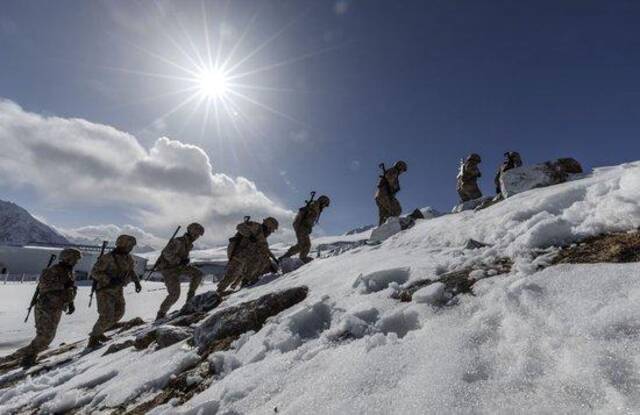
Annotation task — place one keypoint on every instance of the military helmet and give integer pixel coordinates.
(324, 201)
(70, 256)
(126, 242)
(474, 157)
(401, 166)
(195, 229)
(271, 223)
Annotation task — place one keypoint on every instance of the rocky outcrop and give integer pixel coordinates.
(453, 283)
(392, 226)
(611, 248)
(471, 204)
(525, 178)
(202, 303)
(234, 321)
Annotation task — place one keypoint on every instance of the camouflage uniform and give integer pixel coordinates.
(173, 263)
(388, 186)
(468, 180)
(57, 291)
(112, 272)
(512, 160)
(249, 255)
(303, 224)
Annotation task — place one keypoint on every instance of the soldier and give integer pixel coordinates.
(388, 186)
(303, 226)
(468, 179)
(248, 252)
(56, 292)
(112, 272)
(174, 262)
(511, 161)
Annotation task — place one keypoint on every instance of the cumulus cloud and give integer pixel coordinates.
(74, 162)
(95, 234)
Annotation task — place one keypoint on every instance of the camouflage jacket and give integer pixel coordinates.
(469, 171)
(389, 183)
(308, 216)
(114, 270)
(241, 243)
(59, 281)
(175, 253)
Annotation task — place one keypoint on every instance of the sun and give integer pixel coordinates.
(213, 84)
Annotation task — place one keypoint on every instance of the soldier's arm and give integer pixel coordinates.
(132, 271)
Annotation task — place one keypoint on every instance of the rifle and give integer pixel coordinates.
(155, 265)
(306, 206)
(34, 299)
(94, 283)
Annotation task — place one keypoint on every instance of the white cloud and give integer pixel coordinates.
(74, 162)
(95, 234)
(354, 165)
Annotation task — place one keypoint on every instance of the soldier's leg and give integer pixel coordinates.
(120, 306)
(47, 320)
(292, 251)
(196, 278)
(172, 282)
(383, 211)
(106, 313)
(234, 268)
(304, 241)
(395, 209)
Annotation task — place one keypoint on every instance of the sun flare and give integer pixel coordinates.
(213, 84)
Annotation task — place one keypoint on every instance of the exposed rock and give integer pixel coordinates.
(338, 247)
(616, 248)
(168, 335)
(416, 214)
(471, 204)
(202, 303)
(290, 264)
(473, 244)
(236, 320)
(186, 320)
(116, 347)
(392, 226)
(525, 178)
(144, 339)
(360, 230)
(126, 325)
(455, 282)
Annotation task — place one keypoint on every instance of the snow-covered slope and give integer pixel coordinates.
(17, 226)
(560, 339)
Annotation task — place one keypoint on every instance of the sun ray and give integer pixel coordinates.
(267, 42)
(266, 107)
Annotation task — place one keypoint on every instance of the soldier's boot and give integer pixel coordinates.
(94, 342)
(28, 360)
(160, 315)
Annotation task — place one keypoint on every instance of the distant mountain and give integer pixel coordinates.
(17, 226)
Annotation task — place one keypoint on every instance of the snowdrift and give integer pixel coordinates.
(539, 338)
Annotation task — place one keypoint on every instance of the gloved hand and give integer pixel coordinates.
(71, 309)
(138, 286)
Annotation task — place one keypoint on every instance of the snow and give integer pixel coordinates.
(560, 340)
(14, 333)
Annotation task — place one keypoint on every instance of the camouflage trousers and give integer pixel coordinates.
(468, 191)
(111, 307)
(47, 315)
(172, 282)
(244, 269)
(303, 246)
(388, 206)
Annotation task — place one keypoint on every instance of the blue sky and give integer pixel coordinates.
(347, 85)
